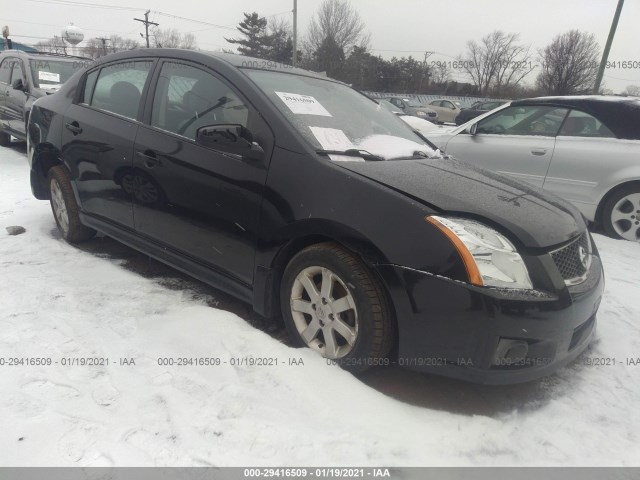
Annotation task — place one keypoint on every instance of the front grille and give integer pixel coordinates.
(573, 261)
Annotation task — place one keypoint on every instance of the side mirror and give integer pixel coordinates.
(18, 85)
(230, 138)
(473, 129)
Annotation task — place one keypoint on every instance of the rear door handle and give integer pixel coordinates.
(539, 151)
(149, 158)
(73, 127)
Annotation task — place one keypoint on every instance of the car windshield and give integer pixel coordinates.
(49, 73)
(332, 116)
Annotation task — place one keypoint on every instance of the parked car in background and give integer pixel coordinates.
(478, 108)
(447, 110)
(421, 125)
(585, 149)
(411, 106)
(301, 196)
(25, 77)
(391, 107)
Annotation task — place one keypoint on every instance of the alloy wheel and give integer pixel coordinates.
(59, 207)
(625, 217)
(324, 312)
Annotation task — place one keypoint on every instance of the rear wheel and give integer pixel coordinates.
(333, 304)
(64, 207)
(5, 139)
(621, 214)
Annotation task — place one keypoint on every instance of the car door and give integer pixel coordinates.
(98, 138)
(5, 78)
(16, 99)
(192, 199)
(517, 141)
(448, 111)
(587, 154)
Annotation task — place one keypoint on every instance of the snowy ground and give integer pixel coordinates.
(59, 301)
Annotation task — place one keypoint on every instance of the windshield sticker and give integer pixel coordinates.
(334, 139)
(48, 76)
(303, 104)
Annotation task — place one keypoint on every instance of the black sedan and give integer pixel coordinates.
(476, 110)
(299, 195)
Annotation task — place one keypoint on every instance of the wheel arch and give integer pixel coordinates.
(269, 273)
(612, 191)
(45, 156)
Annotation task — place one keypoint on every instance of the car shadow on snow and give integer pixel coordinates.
(419, 389)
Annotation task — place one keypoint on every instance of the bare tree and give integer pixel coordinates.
(172, 38)
(497, 62)
(440, 72)
(98, 47)
(632, 90)
(569, 64)
(339, 21)
(53, 45)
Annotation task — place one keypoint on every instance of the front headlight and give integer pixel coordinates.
(421, 114)
(490, 258)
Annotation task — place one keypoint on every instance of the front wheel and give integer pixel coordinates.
(621, 214)
(5, 139)
(65, 208)
(333, 304)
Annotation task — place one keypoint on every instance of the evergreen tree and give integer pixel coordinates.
(256, 42)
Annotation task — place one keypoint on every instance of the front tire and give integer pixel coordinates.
(5, 139)
(621, 214)
(65, 208)
(333, 304)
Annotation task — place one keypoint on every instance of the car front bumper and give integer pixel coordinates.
(486, 335)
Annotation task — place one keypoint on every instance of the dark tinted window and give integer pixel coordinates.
(17, 72)
(5, 70)
(526, 120)
(89, 85)
(187, 98)
(119, 88)
(581, 124)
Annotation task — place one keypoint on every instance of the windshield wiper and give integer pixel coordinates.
(353, 152)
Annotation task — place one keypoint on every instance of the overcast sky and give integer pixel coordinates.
(397, 27)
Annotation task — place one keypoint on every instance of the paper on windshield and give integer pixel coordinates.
(303, 104)
(48, 76)
(334, 139)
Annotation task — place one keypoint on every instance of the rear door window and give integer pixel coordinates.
(119, 88)
(5, 70)
(581, 124)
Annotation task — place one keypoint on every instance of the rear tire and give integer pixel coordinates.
(5, 139)
(65, 208)
(621, 213)
(333, 304)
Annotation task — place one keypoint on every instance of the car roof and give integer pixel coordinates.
(620, 114)
(230, 59)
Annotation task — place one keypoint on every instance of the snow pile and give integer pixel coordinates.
(58, 301)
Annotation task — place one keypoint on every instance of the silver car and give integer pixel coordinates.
(585, 149)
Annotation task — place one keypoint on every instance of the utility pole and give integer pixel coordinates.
(104, 44)
(605, 54)
(427, 54)
(294, 59)
(146, 24)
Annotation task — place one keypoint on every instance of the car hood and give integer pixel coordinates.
(538, 219)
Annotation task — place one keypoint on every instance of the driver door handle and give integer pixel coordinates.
(74, 127)
(149, 158)
(539, 151)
